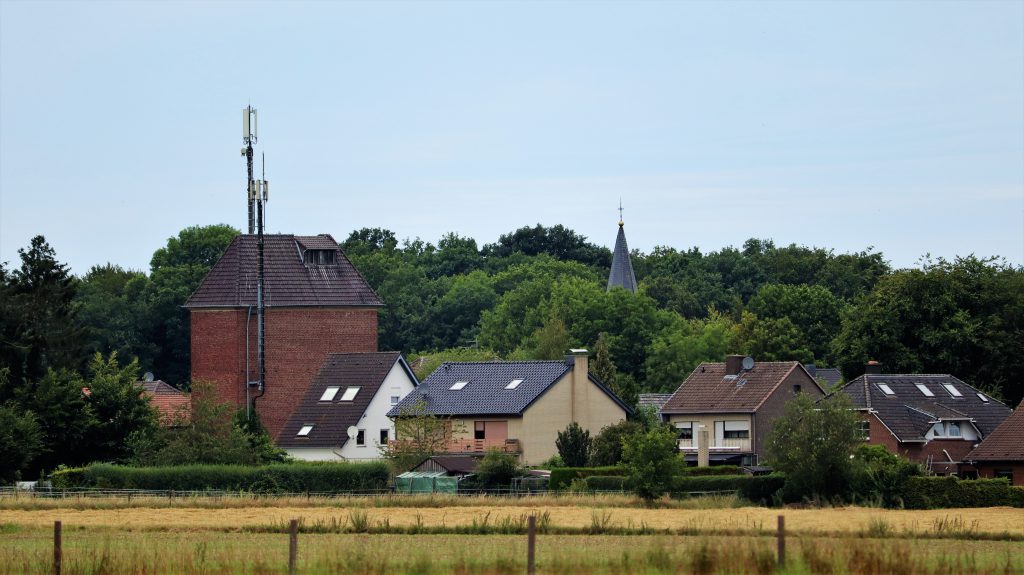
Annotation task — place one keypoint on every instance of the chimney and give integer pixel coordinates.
(580, 366)
(733, 364)
(872, 368)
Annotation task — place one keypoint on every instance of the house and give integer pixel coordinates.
(172, 404)
(316, 303)
(1001, 453)
(516, 406)
(653, 400)
(933, 419)
(352, 392)
(736, 402)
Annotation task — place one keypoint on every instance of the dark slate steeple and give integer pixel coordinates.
(622, 269)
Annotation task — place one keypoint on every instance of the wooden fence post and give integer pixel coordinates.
(782, 541)
(531, 545)
(293, 545)
(58, 552)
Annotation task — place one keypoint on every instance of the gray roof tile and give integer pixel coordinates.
(621, 274)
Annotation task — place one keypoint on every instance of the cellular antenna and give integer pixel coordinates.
(257, 192)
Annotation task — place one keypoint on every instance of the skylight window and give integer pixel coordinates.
(982, 397)
(886, 389)
(350, 393)
(952, 390)
(513, 384)
(924, 389)
(329, 393)
(458, 385)
(305, 430)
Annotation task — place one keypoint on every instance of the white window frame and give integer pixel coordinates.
(924, 389)
(330, 393)
(514, 383)
(952, 390)
(361, 432)
(982, 397)
(395, 399)
(885, 388)
(458, 385)
(305, 430)
(350, 394)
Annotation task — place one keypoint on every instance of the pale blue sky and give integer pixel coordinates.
(898, 125)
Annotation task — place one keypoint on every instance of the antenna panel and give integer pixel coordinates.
(245, 124)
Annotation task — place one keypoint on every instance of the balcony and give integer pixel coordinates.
(469, 445)
(718, 445)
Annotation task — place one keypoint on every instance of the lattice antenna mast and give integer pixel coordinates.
(257, 196)
(249, 137)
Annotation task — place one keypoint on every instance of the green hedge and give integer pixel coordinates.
(712, 470)
(562, 477)
(759, 489)
(939, 492)
(280, 478)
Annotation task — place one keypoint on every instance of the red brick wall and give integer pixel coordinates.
(775, 405)
(297, 342)
(987, 470)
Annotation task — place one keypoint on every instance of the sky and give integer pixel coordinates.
(896, 126)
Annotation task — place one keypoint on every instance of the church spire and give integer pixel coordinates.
(622, 269)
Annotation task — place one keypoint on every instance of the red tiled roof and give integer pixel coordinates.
(709, 390)
(172, 404)
(1006, 443)
(288, 281)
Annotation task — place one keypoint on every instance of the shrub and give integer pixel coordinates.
(939, 492)
(497, 469)
(653, 461)
(757, 489)
(607, 446)
(278, 478)
(562, 477)
(574, 445)
(605, 483)
(713, 470)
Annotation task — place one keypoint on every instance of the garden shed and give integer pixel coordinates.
(426, 482)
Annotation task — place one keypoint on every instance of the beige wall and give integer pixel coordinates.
(462, 427)
(709, 421)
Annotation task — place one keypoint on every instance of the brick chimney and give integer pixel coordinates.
(872, 368)
(733, 364)
(580, 367)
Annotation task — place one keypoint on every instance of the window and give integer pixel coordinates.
(394, 399)
(886, 389)
(319, 257)
(685, 430)
(1007, 473)
(952, 390)
(478, 430)
(350, 393)
(513, 384)
(329, 393)
(458, 385)
(384, 436)
(982, 397)
(797, 388)
(865, 429)
(736, 430)
(304, 431)
(953, 429)
(361, 438)
(924, 389)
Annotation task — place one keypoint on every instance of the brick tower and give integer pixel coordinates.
(316, 303)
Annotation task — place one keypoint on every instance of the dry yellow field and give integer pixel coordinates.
(997, 520)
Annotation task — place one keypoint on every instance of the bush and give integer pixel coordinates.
(574, 445)
(760, 489)
(497, 469)
(279, 478)
(562, 477)
(940, 492)
(606, 448)
(713, 470)
(605, 483)
(653, 461)
(879, 476)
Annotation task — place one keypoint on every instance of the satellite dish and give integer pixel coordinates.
(748, 363)
(148, 376)
(353, 431)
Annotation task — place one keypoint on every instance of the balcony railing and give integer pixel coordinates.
(482, 445)
(717, 445)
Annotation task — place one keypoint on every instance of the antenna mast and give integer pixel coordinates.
(257, 195)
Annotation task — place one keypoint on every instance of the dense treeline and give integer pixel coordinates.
(533, 293)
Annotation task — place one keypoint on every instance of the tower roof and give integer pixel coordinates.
(622, 269)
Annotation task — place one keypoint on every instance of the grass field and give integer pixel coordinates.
(377, 537)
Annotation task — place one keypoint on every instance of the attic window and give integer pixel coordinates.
(886, 389)
(458, 385)
(318, 257)
(952, 390)
(982, 397)
(350, 393)
(924, 389)
(304, 431)
(329, 393)
(513, 384)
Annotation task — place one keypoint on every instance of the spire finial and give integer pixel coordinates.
(620, 211)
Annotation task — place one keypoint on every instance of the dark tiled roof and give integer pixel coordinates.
(709, 390)
(621, 274)
(909, 414)
(460, 464)
(289, 282)
(831, 375)
(159, 387)
(1006, 443)
(655, 399)
(485, 394)
(331, 419)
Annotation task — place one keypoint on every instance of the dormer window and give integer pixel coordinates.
(319, 257)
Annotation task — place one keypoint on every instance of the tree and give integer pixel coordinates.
(119, 406)
(680, 349)
(557, 241)
(607, 445)
(812, 444)
(21, 440)
(812, 309)
(112, 308)
(419, 434)
(574, 445)
(64, 416)
(622, 385)
(775, 339)
(652, 459)
(497, 469)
